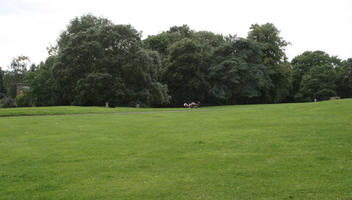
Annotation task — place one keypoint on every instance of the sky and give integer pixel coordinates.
(28, 27)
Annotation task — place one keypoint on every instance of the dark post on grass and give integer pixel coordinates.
(137, 104)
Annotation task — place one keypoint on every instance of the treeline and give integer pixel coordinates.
(96, 61)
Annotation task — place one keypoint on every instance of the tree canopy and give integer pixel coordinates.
(238, 74)
(98, 61)
(314, 75)
(95, 62)
(274, 59)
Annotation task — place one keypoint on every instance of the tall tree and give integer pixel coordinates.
(238, 75)
(16, 74)
(41, 80)
(304, 63)
(93, 53)
(207, 42)
(301, 64)
(183, 75)
(140, 77)
(275, 59)
(318, 83)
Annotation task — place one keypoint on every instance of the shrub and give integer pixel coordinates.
(23, 100)
(325, 94)
(7, 102)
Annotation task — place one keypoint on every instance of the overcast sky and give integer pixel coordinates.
(27, 27)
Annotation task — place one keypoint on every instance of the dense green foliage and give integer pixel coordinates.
(2, 87)
(314, 75)
(183, 75)
(101, 62)
(42, 85)
(319, 83)
(96, 62)
(23, 100)
(7, 102)
(344, 79)
(280, 151)
(274, 59)
(238, 74)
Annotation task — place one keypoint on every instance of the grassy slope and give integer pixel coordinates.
(285, 151)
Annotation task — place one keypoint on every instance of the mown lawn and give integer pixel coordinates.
(282, 151)
(71, 110)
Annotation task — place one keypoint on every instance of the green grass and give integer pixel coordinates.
(70, 110)
(282, 151)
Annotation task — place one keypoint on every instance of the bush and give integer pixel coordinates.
(23, 100)
(7, 102)
(325, 94)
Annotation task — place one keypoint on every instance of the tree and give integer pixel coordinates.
(42, 86)
(19, 64)
(207, 42)
(92, 59)
(16, 74)
(318, 83)
(23, 100)
(94, 89)
(163, 41)
(140, 80)
(7, 102)
(275, 59)
(81, 51)
(238, 75)
(344, 79)
(274, 45)
(304, 63)
(183, 75)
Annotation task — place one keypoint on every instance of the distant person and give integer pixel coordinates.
(185, 105)
(138, 104)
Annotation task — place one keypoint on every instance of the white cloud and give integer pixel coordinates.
(29, 26)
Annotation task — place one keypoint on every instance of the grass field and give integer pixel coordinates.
(281, 151)
(73, 110)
